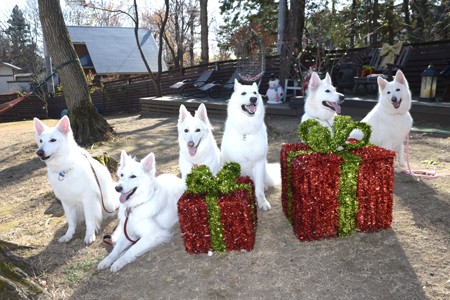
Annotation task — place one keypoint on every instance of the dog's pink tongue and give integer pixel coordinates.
(337, 108)
(192, 150)
(396, 104)
(251, 108)
(123, 197)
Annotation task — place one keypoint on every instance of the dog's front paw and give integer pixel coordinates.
(118, 265)
(89, 239)
(401, 163)
(264, 205)
(397, 171)
(104, 263)
(65, 238)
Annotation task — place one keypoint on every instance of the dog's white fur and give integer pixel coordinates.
(245, 140)
(390, 119)
(196, 140)
(153, 205)
(322, 101)
(78, 190)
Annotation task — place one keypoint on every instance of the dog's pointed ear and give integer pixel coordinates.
(64, 125)
(183, 114)
(148, 164)
(315, 81)
(381, 83)
(255, 86)
(236, 85)
(400, 78)
(328, 78)
(202, 114)
(39, 127)
(123, 158)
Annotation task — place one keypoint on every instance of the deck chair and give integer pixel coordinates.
(191, 87)
(221, 88)
(400, 61)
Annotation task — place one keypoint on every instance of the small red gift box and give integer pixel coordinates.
(238, 220)
(311, 197)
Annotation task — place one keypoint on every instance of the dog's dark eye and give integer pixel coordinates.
(327, 91)
(40, 141)
(52, 140)
(133, 176)
(244, 93)
(254, 93)
(197, 130)
(186, 130)
(397, 90)
(121, 175)
(388, 93)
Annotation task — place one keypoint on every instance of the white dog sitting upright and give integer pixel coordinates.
(147, 212)
(245, 140)
(197, 143)
(73, 181)
(390, 119)
(322, 101)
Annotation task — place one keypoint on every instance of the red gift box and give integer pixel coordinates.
(237, 216)
(314, 182)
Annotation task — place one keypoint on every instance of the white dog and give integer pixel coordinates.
(197, 143)
(390, 119)
(73, 181)
(147, 212)
(322, 101)
(245, 140)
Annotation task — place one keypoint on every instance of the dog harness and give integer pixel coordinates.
(62, 174)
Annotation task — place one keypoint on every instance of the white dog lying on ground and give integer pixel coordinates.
(322, 101)
(197, 143)
(147, 212)
(245, 140)
(70, 171)
(390, 119)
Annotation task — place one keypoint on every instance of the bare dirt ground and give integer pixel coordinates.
(409, 261)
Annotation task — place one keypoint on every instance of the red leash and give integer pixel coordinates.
(125, 228)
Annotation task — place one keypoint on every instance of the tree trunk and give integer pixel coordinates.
(406, 14)
(87, 124)
(204, 31)
(293, 35)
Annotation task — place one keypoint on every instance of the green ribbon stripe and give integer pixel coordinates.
(320, 140)
(201, 180)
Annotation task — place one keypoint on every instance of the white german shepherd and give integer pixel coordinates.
(390, 119)
(148, 206)
(322, 101)
(73, 181)
(197, 143)
(245, 140)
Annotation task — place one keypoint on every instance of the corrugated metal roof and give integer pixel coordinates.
(113, 50)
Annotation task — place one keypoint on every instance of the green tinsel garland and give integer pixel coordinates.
(320, 140)
(201, 180)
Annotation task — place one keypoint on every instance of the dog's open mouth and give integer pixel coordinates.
(125, 196)
(250, 109)
(44, 158)
(397, 103)
(193, 149)
(332, 105)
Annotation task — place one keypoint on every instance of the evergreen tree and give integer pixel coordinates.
(23, 51)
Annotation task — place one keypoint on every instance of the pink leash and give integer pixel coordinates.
(420, 173)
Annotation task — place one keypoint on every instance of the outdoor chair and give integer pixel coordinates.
(378, 69)
(221, 88)
(191, 87)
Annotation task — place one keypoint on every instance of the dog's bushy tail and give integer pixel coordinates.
(273, 174)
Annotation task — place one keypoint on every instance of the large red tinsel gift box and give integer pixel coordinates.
(218, 214)
(334, 187)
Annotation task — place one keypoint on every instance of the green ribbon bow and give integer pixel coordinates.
(320, 140)
(201, 180)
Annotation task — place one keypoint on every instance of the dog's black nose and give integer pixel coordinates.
(119, 188)
(40, 153)
(191, 144)
(253, 100)
(394, 99)
(341, 99)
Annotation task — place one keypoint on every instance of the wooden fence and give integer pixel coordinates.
(119, 96)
